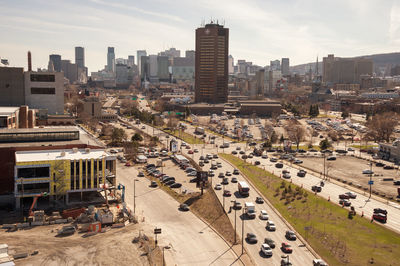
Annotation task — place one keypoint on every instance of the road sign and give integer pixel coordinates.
(179, 113)
(370, 182)
(157, 231)
(134, 98)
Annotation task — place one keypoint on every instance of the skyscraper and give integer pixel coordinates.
(80, 57)
(56, 59)
(131, 60)
(285, 66)
(111, 59)
(139, 54)
(211, 83)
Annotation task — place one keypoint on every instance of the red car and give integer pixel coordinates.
(286, 248)
(187, 147)
(344, 196)
(227, 193)
(379, 217)
(190, 152)
(128, 164)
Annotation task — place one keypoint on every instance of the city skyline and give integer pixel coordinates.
(260, 32)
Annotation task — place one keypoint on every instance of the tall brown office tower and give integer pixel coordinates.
(211, 84)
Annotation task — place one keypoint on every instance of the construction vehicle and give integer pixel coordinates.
(122, 187)
(31, 214)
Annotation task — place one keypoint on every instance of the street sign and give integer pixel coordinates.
(157, 231)
(134, 98)
(370, 182)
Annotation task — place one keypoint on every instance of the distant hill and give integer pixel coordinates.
(382, 63)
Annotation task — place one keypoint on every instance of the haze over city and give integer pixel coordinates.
(260, 31)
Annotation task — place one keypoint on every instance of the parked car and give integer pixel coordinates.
(176, 185)
(263, 215)
(169, 182)
(259, 200)
(316, 188)
(286, 248)
(66, 230)
(153, 184)
(244, 156)
(388, 167)
(331, 158)
(193, 173)
(183, 207)
(264, 156)
(290, 235)
(379, 164)
(319, 262)
(257, 163)
(201, 164)
(270, 242)
(396, 183)
(241, 152)
(227, 193)
(251, 238)
(367, 172)
(140, 174)
(266, 250)
(271, 226)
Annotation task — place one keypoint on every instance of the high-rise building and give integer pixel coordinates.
(131, 60)
(275, 65)
(190, 54)
(260, 77)
(56, 59)
(211, 77)
(145, 68)
(80, 57)
(285, 67)
(162, 68)
(70, 70)
(153, 66)
(172, 52)
(139, 55)
(110, 59)
(230, 65)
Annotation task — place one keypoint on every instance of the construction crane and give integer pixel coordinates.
(44, 194)
(122, 187)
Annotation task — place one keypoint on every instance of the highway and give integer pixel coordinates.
(192, 242)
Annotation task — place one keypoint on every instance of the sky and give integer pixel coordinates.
(259, 30)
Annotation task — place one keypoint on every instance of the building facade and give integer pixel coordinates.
(12, 86)
(80, 57)
(285, 67)
(139, 55)
(56, 59)
(45, 90)
(110, 59)
(211, 71)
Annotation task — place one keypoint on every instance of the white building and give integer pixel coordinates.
(45, 90)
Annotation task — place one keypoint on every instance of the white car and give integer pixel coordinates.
(263, 215)
(351, 194)
(218, 187)
(367, 172)
(266, 250)
(271, 226)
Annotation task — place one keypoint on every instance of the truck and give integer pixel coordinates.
(250, 210)
(199, 131)
(243, 189)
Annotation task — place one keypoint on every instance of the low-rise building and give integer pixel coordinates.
(390, 152)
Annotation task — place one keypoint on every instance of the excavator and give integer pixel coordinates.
(44, 194)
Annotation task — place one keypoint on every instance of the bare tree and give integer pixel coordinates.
(295, 132)
(381, 126)
(172, 123)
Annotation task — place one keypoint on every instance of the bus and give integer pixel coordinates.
(243, 189)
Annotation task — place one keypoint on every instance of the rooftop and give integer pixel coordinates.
(8, 110)
(38, 130)
(51, 155)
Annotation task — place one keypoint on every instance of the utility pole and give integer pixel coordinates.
(370, 181)
(234, 201)
(242, 230)
(223, 197)
(324, 167)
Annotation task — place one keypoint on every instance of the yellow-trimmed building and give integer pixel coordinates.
(62, 172)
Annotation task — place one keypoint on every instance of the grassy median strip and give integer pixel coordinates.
(326, 226)
(186, 137)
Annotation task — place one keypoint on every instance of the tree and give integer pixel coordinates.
(324, 144)
(381, 126)
(106, 130)
(274, 137)
(118, 135)
(345, 114)
(314, 110)
(172, 123)
(158, 121)
(136, 137)
(282, 140)
(295, 132)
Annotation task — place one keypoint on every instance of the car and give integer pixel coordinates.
(286, 175)
(271, 226)
(290, 235)
(188, 147)
(183, 207)
(301, 173)
(153, 184)
(273, 160)
(195, 150)
(313, 150)
(344, 196)
(175, 185)
(251, 238)
(234, 180)
(206, 160)
(66, 230)
(201, 158)
(190, 152)
(379, 164)
(286, 248)
(228, 173)
(218, 187)
(140, 174)
(201, 164)
(279, 165)
(143, 127)
(210, 173)
(237, 205)
(379, 210)
(128, 164)
(219, 165)
(215, 156)
(301, 151)
(380, 217)
(345, 202)
(183, 144)
(319, 262)
(259, 200)
(113, 151)
(225, 181)
(396, 183)
(331, 158)
(235, 171)
(269, 242)
(234, 152)
(350, 149)
(266, 249)
(250, 156)
(297, 161)
(264, 156)
(257, 163)
(285, 261)
(388, 167)
(193, 173)
(351, 194)
(227, 193)
(193, 180)
(238, 148)
(221, 175)
(316, 188)
(169, 181)
(367, 172)
(244, 156)
(190, 169)
(263, 215)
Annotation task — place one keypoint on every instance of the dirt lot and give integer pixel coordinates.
(102, 249)
(350, 168)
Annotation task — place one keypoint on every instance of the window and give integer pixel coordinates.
(35, 90)
(33, 172)
(43, 77)
(72, 180)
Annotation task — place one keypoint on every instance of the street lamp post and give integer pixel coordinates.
(370, 180)
(234, 208)
(223, 197)
(242, 230)
(134, 196)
